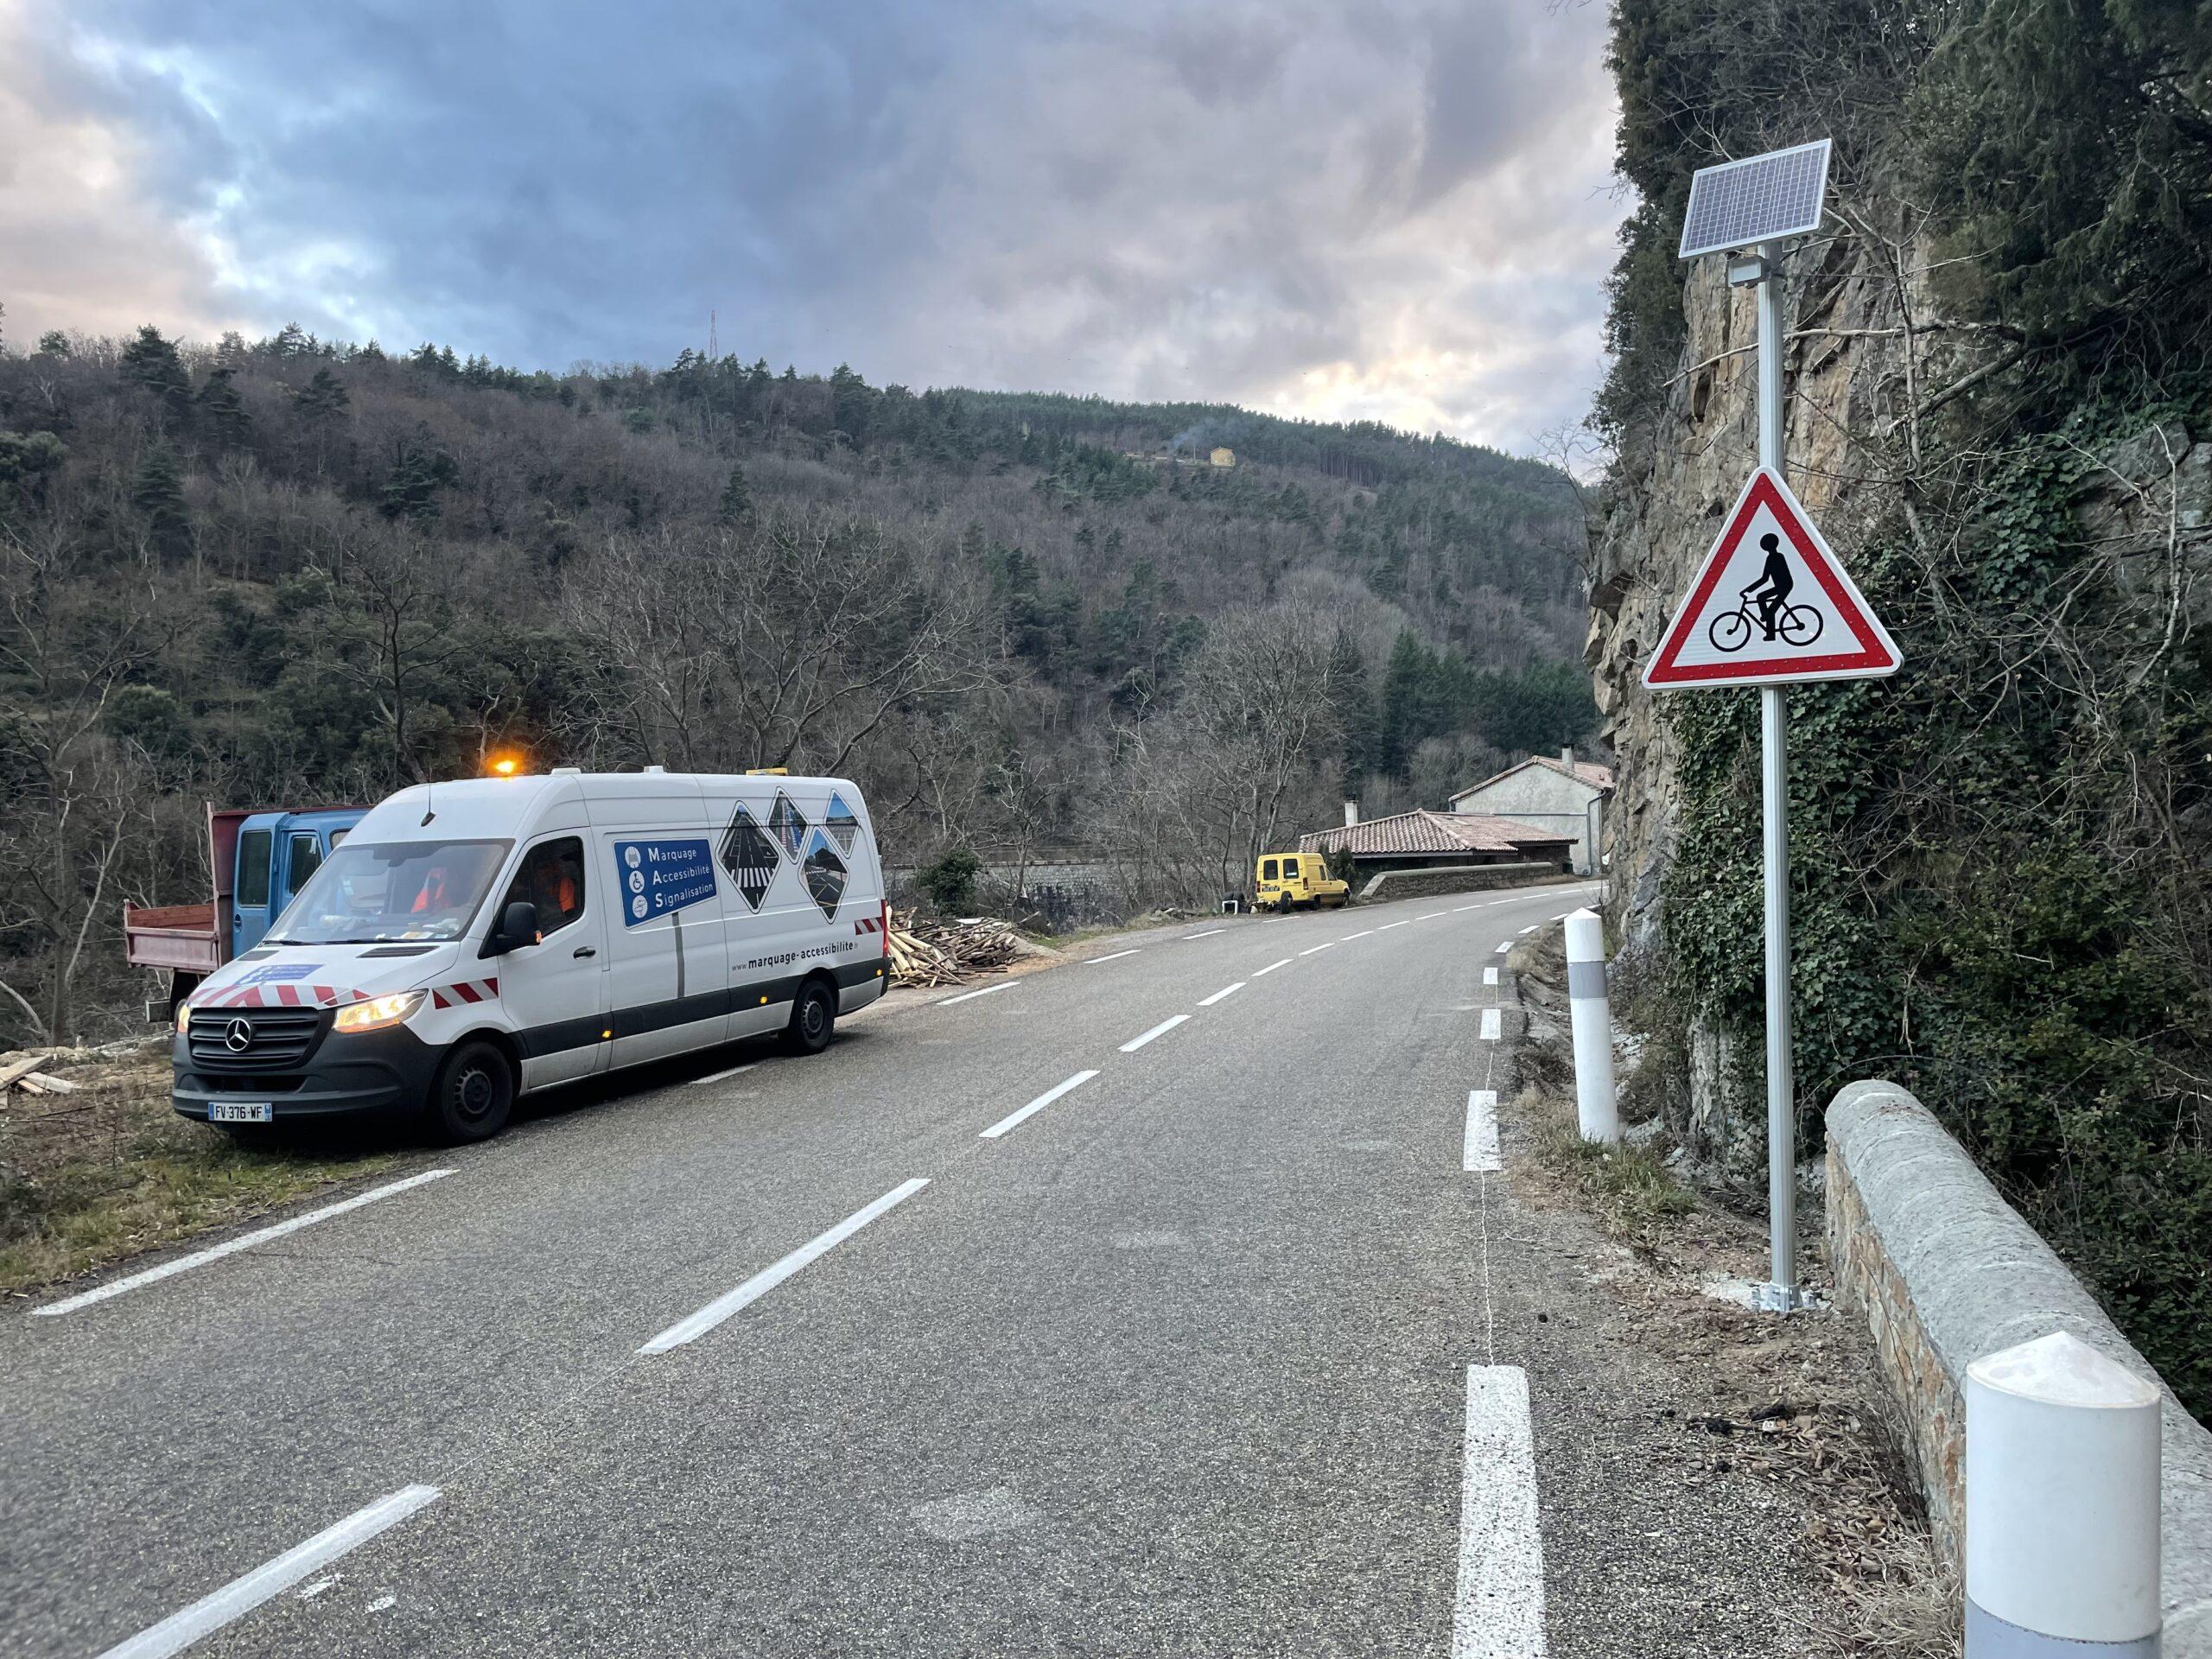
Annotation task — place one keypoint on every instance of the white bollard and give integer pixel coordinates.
(1592, 1012)
(2062, 1504)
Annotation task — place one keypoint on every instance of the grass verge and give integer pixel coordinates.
(90, 1178)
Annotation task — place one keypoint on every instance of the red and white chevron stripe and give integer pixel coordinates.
(869, 924)
(283, 995)
(463, 992)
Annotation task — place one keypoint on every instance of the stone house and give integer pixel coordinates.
(1558, 794)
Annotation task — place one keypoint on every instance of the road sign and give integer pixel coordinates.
(1771, 605)
(1759, 199)
(661, 876)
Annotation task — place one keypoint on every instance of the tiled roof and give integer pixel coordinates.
(1445, 832)
(1586, 772)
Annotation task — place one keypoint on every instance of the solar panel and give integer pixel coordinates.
(1739, 203)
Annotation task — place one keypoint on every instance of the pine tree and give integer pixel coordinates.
(323, 399)
(158, 492)
(222, 411)
(53, 343)
(152, 363)
(736, 504)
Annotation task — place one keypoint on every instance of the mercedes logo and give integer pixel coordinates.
(238, 1036)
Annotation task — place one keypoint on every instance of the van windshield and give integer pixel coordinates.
(404, 890)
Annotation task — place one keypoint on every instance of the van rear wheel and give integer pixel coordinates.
(814, 1019)
(474, 1092)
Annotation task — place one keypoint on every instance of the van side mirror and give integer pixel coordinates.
(518, 927)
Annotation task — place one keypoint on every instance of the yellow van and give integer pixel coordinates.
(1286, 880)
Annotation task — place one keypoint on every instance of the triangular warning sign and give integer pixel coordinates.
(1771, 605)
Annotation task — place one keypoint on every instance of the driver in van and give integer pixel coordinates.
(436, 894)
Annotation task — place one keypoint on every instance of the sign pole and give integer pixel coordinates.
(1780, 1295)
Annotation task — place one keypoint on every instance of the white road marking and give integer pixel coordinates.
(1432, 916)
(1493, 1025)
(1498, 1611)
(969, 996)
(319, 1586)
(1208, 934)
(242, 1595)
(1387, 927)
(1361, 934)
(1479, 1150)
(698, 1326)
(724, 1076)
(1463, 909)
(1272, 966)
(1092, 961)
(1532, 927)
(1490, 975)
(1504, 947)
(1160, 1030)
(1036, 1105)
(232, 1247)
(1323, 946)
(1221, 995)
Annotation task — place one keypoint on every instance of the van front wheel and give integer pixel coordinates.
(814, 1017)
(474, 1092)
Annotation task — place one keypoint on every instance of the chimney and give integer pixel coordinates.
(1351, 813)
(1566, 758)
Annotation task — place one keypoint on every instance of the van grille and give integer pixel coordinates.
(274, 1037)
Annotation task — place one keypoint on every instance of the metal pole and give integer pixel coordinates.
(1780, 1294)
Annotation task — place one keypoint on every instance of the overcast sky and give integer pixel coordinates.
(1354, 210)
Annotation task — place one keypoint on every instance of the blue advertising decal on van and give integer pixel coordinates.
(660, 876)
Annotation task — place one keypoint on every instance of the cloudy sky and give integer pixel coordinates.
(1391, 209)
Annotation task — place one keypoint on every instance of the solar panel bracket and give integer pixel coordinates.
(1750, 270)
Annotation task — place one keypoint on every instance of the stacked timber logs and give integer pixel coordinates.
(942, 953)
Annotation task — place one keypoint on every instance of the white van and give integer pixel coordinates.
(472, 941)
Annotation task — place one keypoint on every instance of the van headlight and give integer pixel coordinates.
(377, 1012)
(183, 1019)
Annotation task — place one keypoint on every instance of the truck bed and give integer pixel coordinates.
(173, 936)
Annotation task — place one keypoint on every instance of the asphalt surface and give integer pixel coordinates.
(1178, 1365)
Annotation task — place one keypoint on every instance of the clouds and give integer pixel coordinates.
(1341, 210)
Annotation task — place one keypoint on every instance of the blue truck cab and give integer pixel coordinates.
(277, 852)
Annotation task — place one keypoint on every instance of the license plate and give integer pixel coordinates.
(230, 1111)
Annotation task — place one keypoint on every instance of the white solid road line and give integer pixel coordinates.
(1361, 934)
(1493, 1024)
(1036, 1105)
(1490, 975)
(969, 996)
(1208, 934)
(724, 1076)
(1324, 946)
(1221, 995)
(1160, 1030)
(1272, 966)
(691, 1329)
(232, 1247)
(1498, 1611)
(1479, 1150)
(1090, 961)
(242, 1595)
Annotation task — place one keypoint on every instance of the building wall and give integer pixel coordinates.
(1544, 799)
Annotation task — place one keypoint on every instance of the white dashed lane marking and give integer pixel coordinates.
(969, 996)
(1323, 946)
(1493, 1025)
(1208, 934)
(1504, 947)
(1479, 1150)
(1490, 975)
(1272, 966)
(1221, 995)
(1092, 961)
(740, 1070)
(1160, 1030)
(1037, 1105)
(1498, 1611)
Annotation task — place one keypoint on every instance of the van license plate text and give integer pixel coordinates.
(228, 1111)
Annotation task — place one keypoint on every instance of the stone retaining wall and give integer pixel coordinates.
(1458, 878)
(1945, 1271)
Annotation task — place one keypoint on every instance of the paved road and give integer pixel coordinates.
(1202, 1357)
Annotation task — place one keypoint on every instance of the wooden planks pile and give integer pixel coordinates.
(943, 953)
(20, 1072)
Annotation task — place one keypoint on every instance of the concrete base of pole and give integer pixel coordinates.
(1590, 1005)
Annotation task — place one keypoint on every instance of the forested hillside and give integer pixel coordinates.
(2000, 410)
(294, 572)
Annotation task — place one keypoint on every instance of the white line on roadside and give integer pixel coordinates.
(1479, 1150)
(232, 1246)
(724, 1076)
(969, 996)
(1160, 1030)
(1532, 927)
(1463, 909)
(1504, 947)
(1221, 995)
(1272, 966)
(1092, 961)
(1036, 1105)
(698, 1326)
(1490, 975)
(1323, 946)
(1432, 916)
(1361, 934)
(1498, 1611)
(242, 1595)
(1493, 1025)
(1208, 934)
(1387, 927)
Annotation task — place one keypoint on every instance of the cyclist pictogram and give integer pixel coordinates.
(1796, 624)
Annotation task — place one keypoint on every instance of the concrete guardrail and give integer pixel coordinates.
(1947, 1274)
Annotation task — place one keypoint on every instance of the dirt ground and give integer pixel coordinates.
(107, 1169)
(1795, 1401)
